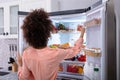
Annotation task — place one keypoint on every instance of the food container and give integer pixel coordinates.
(94, 52)
(92, 22)
(93, 55)
(72, 67)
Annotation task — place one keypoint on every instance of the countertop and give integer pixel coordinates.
(10, 76)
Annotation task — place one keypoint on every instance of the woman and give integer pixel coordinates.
(38, 61)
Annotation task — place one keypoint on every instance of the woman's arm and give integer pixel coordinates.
(23, 71)
(71, 52)
(82, 32)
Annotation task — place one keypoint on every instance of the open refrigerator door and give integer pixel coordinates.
(100, 42)
(95, 55)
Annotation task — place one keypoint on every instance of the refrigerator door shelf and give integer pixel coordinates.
(92, 23)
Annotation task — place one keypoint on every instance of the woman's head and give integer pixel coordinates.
(36, 28)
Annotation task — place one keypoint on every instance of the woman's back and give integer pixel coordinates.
(42, 62)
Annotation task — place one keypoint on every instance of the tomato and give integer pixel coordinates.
(74, 69)
(82, 58)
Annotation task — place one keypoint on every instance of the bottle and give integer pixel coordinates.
(96, 73)
(14, 67)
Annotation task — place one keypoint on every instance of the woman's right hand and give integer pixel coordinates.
(82, 32)
(79, 42)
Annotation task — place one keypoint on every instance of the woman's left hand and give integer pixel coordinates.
(19, 60)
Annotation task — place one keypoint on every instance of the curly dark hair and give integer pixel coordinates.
(36, 28)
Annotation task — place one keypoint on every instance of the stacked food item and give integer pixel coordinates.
(63, 46)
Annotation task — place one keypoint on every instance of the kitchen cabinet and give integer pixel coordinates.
(9, 21)
(1, 20)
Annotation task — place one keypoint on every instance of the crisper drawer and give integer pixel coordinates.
(71, 67)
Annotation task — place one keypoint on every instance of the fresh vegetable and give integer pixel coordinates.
(52, 46)
(82, 58)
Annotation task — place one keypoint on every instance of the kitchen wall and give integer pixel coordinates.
(30, 3)
(75, 4)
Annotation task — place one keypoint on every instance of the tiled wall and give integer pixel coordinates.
(5, 51)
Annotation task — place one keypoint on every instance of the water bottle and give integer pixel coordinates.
(96, 73)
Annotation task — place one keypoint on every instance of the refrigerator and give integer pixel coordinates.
(99, 40)
(117, 14)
